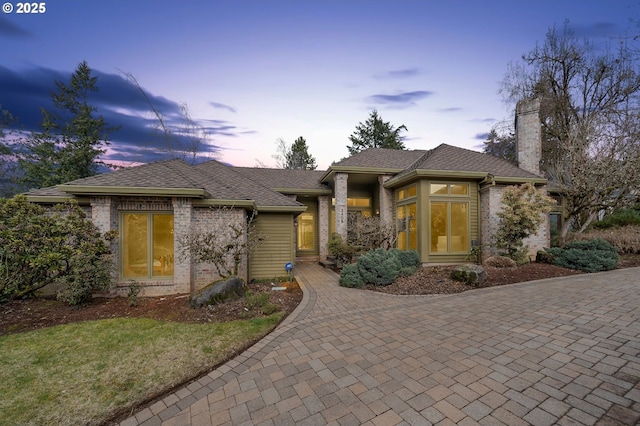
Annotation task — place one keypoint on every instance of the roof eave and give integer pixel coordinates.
(282, 209)
(54, 199)
(218, 202)
(358, 170)
(445, 174)
(511, 179)
(133, 190)
(294, 191)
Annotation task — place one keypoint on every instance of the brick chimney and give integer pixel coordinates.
(529, 135)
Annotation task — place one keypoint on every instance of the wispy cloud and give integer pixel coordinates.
(399, 100)
(139, 138)
(483, 120)
(398, 74)
(451, 109)
(10, 30)
(598, 29)
(481, 136)
(222, 106)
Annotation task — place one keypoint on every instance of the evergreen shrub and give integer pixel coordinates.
(379, 267)
(350, 276)
(587, 256)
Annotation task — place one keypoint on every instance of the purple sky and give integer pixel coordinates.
(255, 71)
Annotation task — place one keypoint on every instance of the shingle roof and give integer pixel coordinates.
(229, 183)
(165, 174)
(285, 178)
(452, 158)
(257, 184)
(218, 180)
(382, 158)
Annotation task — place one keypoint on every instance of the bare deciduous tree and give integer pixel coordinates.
(225, 245)
(590, 119)
(183, 137)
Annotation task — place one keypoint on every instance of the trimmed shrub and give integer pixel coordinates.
(500, 262)
(58, 247)
(342, 250)
(379, 267)
(620, 218)
(350, 276)
(407, 271)
(625, 239)
(588, 256)
(544, 257)
(410, 258)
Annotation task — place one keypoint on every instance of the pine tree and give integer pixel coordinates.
(502, 146)
(376, 133)
(298, 156)
(72, 138)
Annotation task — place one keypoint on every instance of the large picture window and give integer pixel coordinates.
(147, 245)
(449, 217)
(449, 227)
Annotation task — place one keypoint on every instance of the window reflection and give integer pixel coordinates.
(147, 245)
(306, 231)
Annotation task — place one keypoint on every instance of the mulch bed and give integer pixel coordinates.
(23, 315)
(436, 279)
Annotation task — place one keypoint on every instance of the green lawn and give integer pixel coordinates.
(82, 373)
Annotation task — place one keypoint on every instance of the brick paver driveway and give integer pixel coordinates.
(559, 351)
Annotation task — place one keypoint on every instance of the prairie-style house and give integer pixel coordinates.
(441, 202)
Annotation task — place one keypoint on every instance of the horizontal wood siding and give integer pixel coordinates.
(268, 260)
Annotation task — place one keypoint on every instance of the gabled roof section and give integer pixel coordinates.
(374, 161)
(169, 178)
(382, 158)
(174, 174)
(449, 161)
(287, 181)
(211, 182)
(228, 183)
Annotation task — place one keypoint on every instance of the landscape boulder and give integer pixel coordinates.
(473, 275)
(218, 292)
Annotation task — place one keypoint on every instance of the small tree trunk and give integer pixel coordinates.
(586, 223)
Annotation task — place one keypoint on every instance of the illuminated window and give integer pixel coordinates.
(355, 202)
(147, 245)
(406, 216)
(449, 189)
(449, 226)
(306, 231)
(407, 192)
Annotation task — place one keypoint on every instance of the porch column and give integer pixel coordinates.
(182, 269)
(323, 224)
(386, 201)
(340, 185)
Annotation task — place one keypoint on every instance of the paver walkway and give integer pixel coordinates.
(559, 351)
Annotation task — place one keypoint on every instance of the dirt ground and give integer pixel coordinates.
(23, 315)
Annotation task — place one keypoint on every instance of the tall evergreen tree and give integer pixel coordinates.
(376, 133)
(298, 156)
(502, 146)
(72, 137)
(8, 186)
